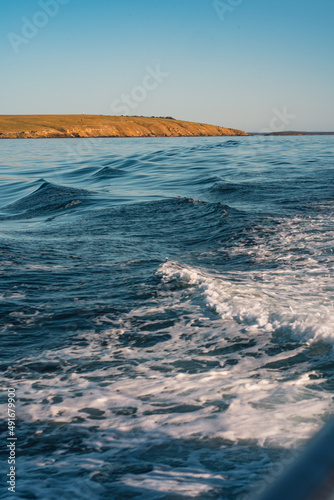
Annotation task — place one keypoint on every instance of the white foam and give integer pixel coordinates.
(153, 383)
(194, 483)
(253, 395)
(298, 243)
(150, 397)
(14, 295)
(263, 301)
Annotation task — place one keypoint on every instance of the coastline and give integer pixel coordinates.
(94, 126)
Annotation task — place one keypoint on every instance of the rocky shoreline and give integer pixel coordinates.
(71, 126)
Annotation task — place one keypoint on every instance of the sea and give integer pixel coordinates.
(167, 315)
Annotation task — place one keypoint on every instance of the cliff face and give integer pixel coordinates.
(44, 126)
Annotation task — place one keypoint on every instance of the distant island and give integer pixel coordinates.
(67, 126)
(288, 133)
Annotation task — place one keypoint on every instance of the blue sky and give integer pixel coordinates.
(254, 65)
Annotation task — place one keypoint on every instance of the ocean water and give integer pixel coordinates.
(166, 312)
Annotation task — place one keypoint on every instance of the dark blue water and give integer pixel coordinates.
(166, 312)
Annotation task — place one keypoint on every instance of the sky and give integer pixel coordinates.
(255, 65)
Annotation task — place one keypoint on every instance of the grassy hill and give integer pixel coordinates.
(44, 126)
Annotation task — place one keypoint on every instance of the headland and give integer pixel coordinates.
(69, 126)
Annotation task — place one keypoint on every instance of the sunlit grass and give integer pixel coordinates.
(104, 126)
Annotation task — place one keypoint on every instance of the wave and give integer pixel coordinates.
(217, 144)
(275, 305)
(223, 187)
(46, 199)
(255, 194)
(109, 172)
(165, 223)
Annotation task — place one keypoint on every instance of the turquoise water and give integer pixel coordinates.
(166, 311)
